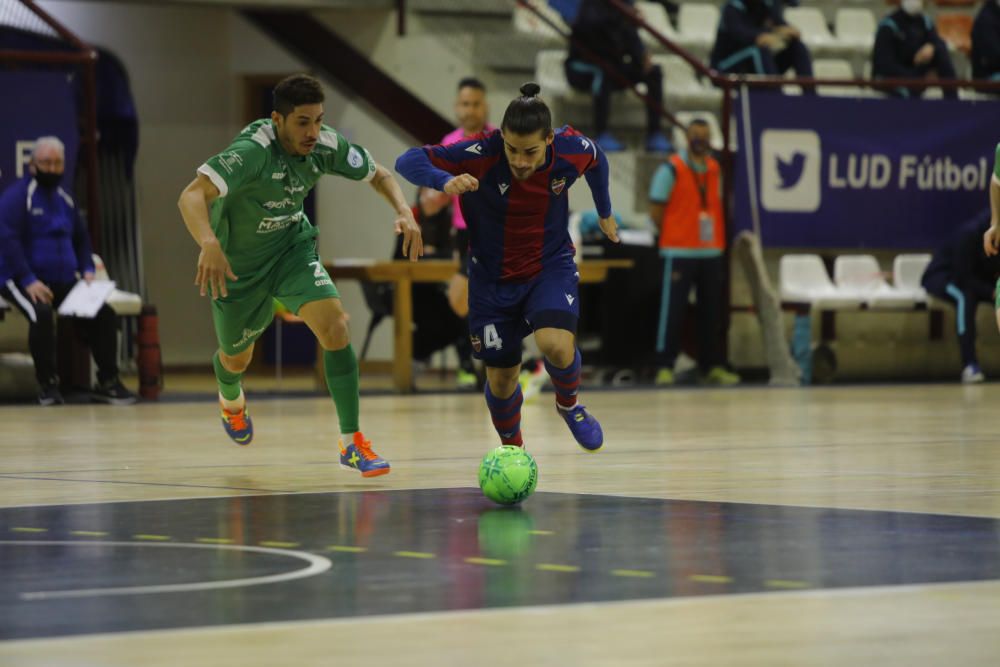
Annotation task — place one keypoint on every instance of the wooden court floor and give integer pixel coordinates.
(904, 451)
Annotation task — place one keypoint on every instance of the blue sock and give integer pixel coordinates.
(566, 381)
(506, 414)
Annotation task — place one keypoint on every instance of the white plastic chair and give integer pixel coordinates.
(123, 303)
(907, 274)
(862, 275)
(812, 25)
(836, 68)
(803, 279)
(697, 23)
(656, 16)
(528, 23)
(550, 73)
(681, 84)
(856, 28)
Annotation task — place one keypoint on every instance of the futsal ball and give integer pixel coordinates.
(508, 475)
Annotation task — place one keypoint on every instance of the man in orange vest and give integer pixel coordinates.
(685, 201)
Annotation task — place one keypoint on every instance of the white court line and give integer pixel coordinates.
(458, 615)
(317, 565)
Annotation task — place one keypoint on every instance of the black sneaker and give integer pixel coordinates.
(113, 392)
(49, 395)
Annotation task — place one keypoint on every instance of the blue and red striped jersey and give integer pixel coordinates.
(517, 229)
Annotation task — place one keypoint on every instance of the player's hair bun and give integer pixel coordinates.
(528, 113)
(530, 89)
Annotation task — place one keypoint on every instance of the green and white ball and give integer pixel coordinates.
(508, 475)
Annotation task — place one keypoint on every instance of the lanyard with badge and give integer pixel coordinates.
(706, 224)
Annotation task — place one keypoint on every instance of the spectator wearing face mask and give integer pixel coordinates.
(986, 42)
(44, 248)
(685, 202)
(907, 46)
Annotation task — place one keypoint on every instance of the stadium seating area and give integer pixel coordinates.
(840, 36)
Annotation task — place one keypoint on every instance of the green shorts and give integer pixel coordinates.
(297, 278)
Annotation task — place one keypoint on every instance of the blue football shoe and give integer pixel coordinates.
(584, 427)
(359, 457)
(238, 425)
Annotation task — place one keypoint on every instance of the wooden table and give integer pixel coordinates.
(402, 274)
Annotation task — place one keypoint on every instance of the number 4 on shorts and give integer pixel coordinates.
(492, 338)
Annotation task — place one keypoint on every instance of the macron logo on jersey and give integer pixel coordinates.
(570, 299)
(475, 148)
(503, 188)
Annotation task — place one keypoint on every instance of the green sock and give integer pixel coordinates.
(341, 369)
(229, 382)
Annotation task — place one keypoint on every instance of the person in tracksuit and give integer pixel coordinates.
(44, 247)
(685, 203)
(962, 274)
(754, 38)
(907, 46)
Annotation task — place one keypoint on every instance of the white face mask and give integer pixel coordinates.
(914, 7)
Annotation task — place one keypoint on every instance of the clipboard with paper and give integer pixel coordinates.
(85, 299)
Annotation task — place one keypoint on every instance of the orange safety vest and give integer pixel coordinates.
(693, 195)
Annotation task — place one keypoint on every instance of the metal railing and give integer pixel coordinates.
(730, 83)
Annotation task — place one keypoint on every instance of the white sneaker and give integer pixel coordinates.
(972, 375)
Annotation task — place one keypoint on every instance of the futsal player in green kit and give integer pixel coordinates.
(991, 239)
(244, 209)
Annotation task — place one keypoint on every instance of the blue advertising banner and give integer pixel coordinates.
(35, 104)
(848, 173)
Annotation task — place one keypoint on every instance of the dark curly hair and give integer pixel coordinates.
(296, 90)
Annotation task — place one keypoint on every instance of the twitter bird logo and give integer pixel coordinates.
(790, 171)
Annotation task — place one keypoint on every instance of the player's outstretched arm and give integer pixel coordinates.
(598, 178)
(213, 267)
(991, 239)
(444, 168)
(385, 184)
(415, 166)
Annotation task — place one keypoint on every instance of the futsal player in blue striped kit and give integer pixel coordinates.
(514, 185)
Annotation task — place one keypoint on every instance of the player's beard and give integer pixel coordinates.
(522, 175)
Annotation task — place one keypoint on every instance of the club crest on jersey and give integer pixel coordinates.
(558, 185)
(477, 345)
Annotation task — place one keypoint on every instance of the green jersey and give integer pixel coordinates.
(259, 213)
(996, 165)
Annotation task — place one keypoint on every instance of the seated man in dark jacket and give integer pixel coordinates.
(907, 46)
(43, 246)
(602, 35)
(986, 42)
(962, 274)
(753, 38)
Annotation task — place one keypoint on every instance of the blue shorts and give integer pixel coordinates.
(501, 315)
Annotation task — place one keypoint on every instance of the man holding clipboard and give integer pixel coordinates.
(43, 247)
